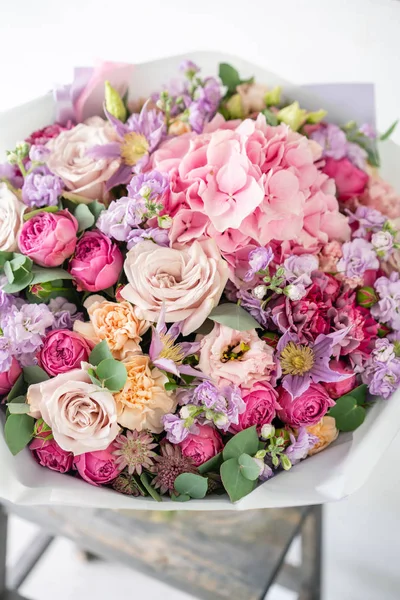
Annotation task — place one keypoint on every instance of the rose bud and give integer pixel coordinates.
(97, 262)
(49, 238)
(49, 454)
(271, 338)
(98, 468)
(8, 378)
(62, 351)
(340, 388)
(366, 297)
(202, 446)
(383, 330)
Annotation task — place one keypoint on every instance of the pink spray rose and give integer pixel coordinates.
(62, 351)
(49, 454)
(306, 409)
(42, 136)
(98, 468)
(8, 378)
(202, 446)
(350, 181)
(49, 238)
(97, 262)
(236, 357)
(339, 388)
(261, 406)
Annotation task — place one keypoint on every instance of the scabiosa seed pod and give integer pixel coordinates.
(271, 338)
(366, 297)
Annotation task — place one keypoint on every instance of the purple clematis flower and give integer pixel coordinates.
(138, 138)
(168, 356)
(303, 364)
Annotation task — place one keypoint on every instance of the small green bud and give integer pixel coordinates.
(396, 346)
(22, 149)
(114, 103)
(273, 97)
(366, 297)
(235, 107)
(261, 454)
(316, 116)
(165, 222)
(285, 462)
(293, 115)
(383, 330)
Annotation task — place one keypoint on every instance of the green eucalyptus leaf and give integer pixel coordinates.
(8, 272)
(389, 131)
(84, 217)
(99, 353)
(212, 465)
(96, 208)
(180, 498)
(34, 375)
(229, 76)
(191, 484)
(18, 389)
(347, 414)
(41, 275)
(33, 213)
(359, 393)
(250, 469)
(17, 400)
(18, 432)
(13, 288)
(112, 374)
(244, 442)
(144, 478)
(18, 408)
(233, 316)
(234, 482)
(5, 257)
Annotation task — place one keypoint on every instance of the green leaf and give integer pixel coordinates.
(229, 76)
(99, 353)
(114, 103)
(270, 117)
(244, 442)
(192, 485)
(236, 485)
(13, 288)
(250, 469)
(18, 408)
(84, 217)
(144, 478)
(96, 208)
(389, 131)
(33, 213)
(211, 465)
(41, 275)
(359, 393)
(5, 257)
(112, 374)
(18, 432)
(180, 498)
(17, 390)
(34, 375)
(17, 400)
(233, 316)
(347, 414)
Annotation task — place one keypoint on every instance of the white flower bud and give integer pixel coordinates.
(165, 222)
(294, 292)
(260, 291)
(267, 431)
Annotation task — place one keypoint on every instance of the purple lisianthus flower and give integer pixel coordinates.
(259, 259)
(41, 188)
(38, 153)
(387, 309)
(155, 234)
(299, 447)
(151, 185)
(121, 216)
(368, 220)
(358, 257)
(332, 140)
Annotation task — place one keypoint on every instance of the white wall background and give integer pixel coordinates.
(305, 41)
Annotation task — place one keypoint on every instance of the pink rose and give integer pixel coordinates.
(62, 351)
(49, 238)
(49, 454)
(98, 468)
(8, 378)
(235, 357)
(350, 181)
(69, 159)
(339, 388)
(261, 406)
(382, 196)
(202, 446)
(11, 219)
(187, 280)
(97, 262)
(307, 409)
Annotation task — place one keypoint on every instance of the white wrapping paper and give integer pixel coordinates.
(331, 475)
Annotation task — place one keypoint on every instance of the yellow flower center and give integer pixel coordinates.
(170, 350)
(234, 352)
(296, 359)
(133, 148)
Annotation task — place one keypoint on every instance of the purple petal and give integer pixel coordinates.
(296, 385)
(188, 370)
(118, 125)
(166, 364)
(189, 348)
(120, 177)
(156, 345)
(111, 150)
(287, 337)
(161, 327)
(322, 372)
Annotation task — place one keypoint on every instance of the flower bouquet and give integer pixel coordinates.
(200, 290)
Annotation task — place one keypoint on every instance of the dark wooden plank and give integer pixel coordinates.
(311, 550)
(28, 560)
(212, 555)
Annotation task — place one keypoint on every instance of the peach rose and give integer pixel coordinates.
(187, 279)
(80, 173)
(252, 96)
(143, 401)
(82, 416)
(325, 430)
(238, 357)
(115, 322)
(11, 212)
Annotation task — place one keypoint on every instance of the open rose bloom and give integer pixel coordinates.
(182, 267)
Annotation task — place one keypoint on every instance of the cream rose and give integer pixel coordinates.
(325, 430)
(80, 173)
(82, 416)
(143, 401)
(187, 280)
(115, 322)
(11, 211)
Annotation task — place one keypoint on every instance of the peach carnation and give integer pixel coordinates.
(326, 432)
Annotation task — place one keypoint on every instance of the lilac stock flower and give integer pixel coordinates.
(259, 259)
(189, 67)
(209, 95)
(382, 378)
(155, 234)
(6, 354)
(357, 155)
(368, 220)
(358, 257)
(38, 153)
(383, 244)
(41, 188)
(12, 174)
(64, 312)
(384, 350)
(299, 447)
(121, 217)
(176, 429)
(387, 309)
(332, 140)
(303, 364)
(197, 116)
(224, 405)
(298, 269)
(254, 307)
(151, 185)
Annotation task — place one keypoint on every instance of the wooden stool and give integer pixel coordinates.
(211, 555)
